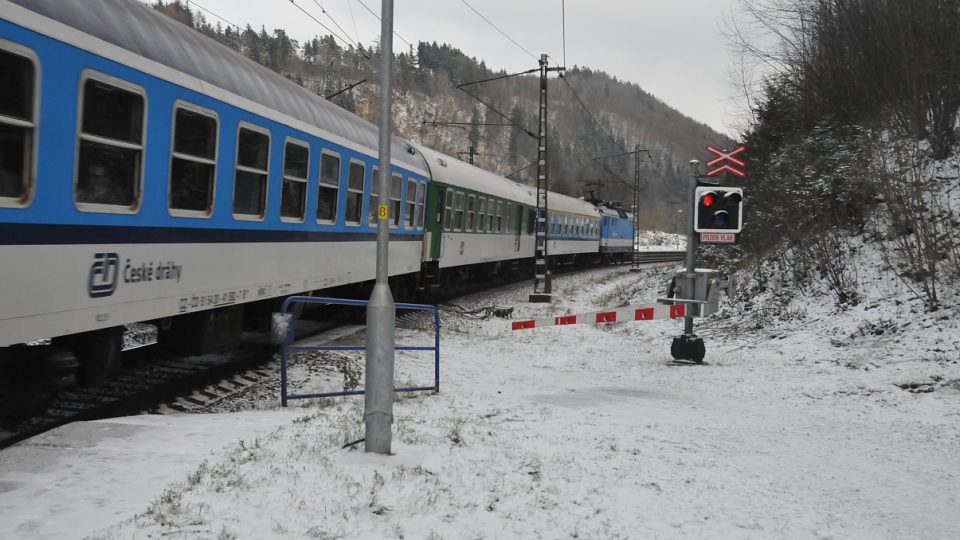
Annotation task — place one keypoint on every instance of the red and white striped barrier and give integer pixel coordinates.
(628, 313)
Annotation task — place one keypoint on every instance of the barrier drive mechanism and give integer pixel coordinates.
(282, 328)
(621, 314)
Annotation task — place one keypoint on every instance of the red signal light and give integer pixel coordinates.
(707, 199)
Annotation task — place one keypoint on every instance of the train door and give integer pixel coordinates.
(518, 227)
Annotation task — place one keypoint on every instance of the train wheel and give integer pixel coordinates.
(99, 354)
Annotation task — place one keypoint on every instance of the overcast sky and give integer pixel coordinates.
(671, 48)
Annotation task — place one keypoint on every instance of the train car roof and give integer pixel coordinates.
(616, 211)
(144, 31)
(566, 203)
(448, 170)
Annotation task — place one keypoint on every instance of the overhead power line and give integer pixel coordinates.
(344, 89)
(325, 27)
(502, 33)
(491, 107)
(462, 125)
(354, 19)
(592, 117)
(378, 18)
(521, 169)
(563, 27)
(324, 10)
(190, 2)
(499, 77)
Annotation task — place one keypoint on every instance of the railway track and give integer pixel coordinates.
(155, 381)
(148, 377)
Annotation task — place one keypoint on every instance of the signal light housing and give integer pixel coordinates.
(719, 209)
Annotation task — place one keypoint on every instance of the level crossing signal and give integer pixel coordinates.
(719, 210)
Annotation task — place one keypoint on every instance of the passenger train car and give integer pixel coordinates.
(148, 173)
(573, 228)
(476, 221)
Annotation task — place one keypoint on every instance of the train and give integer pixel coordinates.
(150, 174)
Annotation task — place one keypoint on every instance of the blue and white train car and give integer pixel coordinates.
(574, 228)
(147, 172)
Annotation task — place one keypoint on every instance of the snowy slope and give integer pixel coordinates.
(796, 428)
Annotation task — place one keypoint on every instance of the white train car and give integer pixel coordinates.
(474, 217)
(574, 228)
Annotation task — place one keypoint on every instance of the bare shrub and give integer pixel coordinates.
(922, 250)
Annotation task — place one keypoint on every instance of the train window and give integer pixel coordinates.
(293, 192)
(18, 77)
(355, 192)
(458, 211)
(411, 203)
(471, 212)
(491, 208)
(192, 161)
(110, 149)
(329, 188)
(481, 214)
(506, 217)
(447, 209)
(499, 216)
(396, 187)
(374, 197)
(421, 207)
(250, 180)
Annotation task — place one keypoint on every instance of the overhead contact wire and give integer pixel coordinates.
(502, 33)
(592, 117)
(354, 19)
(191, 2)
(325, 27)
(378, 18)
(324, 10)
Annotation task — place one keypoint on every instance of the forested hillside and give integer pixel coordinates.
(618, 114)
(854, 141)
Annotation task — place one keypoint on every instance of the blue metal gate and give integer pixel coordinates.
(285, 335)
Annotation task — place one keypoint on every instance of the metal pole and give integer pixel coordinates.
(635, 248)
(381, 312)
(690, 280)
(541, 273)
(679, 226)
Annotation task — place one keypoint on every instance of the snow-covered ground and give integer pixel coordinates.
(796, 428)
(661, 241)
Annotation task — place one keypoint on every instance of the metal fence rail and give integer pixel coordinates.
(283, 331)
